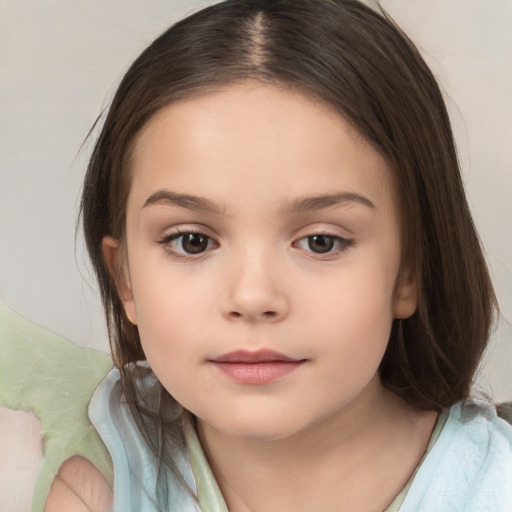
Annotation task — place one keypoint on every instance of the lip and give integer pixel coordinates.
(256, 368)
(256, 356)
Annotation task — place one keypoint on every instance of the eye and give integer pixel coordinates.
(324, 244)
(187, 243)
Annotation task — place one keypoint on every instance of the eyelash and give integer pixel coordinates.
(166, 242)
(344, 244)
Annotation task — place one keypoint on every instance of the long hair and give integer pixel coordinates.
(362, 65)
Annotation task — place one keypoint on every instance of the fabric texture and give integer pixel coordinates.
(47, 374)
(467, 468)
(135, 465)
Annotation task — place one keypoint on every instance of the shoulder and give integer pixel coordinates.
(79, 487)
(476, 424)
(469, 468)
(482, 415)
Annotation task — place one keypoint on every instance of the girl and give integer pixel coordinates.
(296, 296)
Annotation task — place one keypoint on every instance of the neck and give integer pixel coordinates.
(356, 459)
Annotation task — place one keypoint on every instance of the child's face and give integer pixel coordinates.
(298, 253)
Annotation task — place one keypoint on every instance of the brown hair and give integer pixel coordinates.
(362, 65)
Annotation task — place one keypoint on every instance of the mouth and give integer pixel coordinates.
(256, 368)
(252, 357)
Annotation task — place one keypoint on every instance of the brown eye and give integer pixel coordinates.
(324, 244)
(193, 243)
(321, 243)
(187, 244)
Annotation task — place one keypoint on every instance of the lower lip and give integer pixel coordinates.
(258, 373)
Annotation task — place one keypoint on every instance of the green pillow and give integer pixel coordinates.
(49, 375)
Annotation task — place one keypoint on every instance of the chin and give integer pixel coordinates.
(255, 426)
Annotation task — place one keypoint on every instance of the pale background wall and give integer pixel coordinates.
(60, 61)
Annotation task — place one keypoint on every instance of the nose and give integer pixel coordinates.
(255, 290)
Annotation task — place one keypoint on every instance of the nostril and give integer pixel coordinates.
(266, 314)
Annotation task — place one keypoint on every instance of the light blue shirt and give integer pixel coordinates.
(467, 469)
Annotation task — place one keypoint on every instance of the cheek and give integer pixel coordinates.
(360, 296)
(161, 288)
(351, 321)
(169, 340)
(174, 309)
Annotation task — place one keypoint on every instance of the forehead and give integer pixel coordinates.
(255, 139)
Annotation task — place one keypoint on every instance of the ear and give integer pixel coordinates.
(116, 264)
(406, 295)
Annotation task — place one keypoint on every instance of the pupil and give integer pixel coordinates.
(320, 243)
(194, 243)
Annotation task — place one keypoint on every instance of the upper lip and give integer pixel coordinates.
(257, 356)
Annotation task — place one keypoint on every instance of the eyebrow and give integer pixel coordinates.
(300, 205)
(320, 202)
(184, 201)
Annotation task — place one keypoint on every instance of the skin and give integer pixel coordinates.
(253, 151)
(79, 487)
